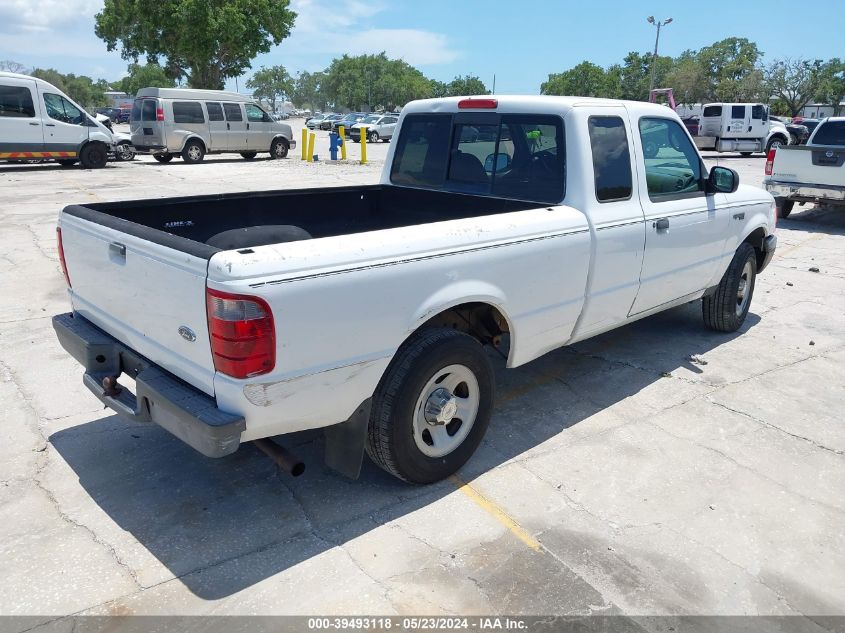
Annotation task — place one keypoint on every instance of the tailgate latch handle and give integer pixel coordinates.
(118, 249)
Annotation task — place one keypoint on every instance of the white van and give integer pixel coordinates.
(37, 120)
(192, 123)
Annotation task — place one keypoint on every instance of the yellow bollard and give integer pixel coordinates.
(304, 142)
(311, 147)
(342, 131)
(363, 144)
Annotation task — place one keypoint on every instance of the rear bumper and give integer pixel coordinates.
(805, 192)
(159, 397)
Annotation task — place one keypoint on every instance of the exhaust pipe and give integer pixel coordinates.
(289, 462)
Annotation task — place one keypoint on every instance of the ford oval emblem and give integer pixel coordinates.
(187, 333)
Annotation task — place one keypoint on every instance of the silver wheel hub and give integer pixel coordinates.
(446, 410)
(194, 152)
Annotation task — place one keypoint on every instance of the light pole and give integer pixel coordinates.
(658, 24)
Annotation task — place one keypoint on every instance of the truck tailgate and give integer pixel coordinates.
(810, 164)
(149, 296)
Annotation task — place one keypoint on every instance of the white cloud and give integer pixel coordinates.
(337, 27)
(41, 16)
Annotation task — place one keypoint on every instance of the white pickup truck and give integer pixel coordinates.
(814, 172)
(367, 310)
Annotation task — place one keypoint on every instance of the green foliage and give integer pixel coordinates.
(467, 85)
(270, 83)
(205, 41)
(636, 74)
(830, 88)
(145, 76)
(84, 90)
(584, 80)
(727, 65)
(372, 81)
(307, 91)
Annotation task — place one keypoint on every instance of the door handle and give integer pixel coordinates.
(117, 249)
(227, 127)
(739, 216)
(247, 126)
(49, 125)
(662, 224)
(35, 124)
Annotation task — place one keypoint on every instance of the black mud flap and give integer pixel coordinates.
(345, 442)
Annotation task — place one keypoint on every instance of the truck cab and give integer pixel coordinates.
(739, 127)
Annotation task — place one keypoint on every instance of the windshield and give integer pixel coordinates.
(370, 119)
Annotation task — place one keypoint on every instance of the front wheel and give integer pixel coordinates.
(372, 137)
(725, 310)
(279, 148)
(93, 156)
(432, 406)
(774, 143)
(124, 152)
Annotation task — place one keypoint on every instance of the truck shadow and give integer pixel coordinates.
(221, 526)
(814, 219)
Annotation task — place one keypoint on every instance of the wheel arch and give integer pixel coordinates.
(193, 137)
(755, 238)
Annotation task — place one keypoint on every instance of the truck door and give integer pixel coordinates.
(21, 127)
(685, 230)
(738, 122)
(612, 203)
(759, 126)
(217, 127)
(236, 132)
(65, 125)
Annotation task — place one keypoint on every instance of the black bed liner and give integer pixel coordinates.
(185, 223)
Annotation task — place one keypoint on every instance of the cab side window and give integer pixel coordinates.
(60, 109)
(611, 158)
(233, 112)
(254, 114)
(16, 101)
(672, 164)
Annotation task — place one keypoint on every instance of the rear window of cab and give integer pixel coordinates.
(519, 156)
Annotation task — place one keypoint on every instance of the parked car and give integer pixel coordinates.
(326, 123)
(314, 122)
(166, 122)
(379, 127)
(37, 120)
(347, 121)
(810, 124)
(365, 310)
(798, 133)
(116, 115)
(692, 124)
(814, 172)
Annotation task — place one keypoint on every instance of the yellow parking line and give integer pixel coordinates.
(496, 512)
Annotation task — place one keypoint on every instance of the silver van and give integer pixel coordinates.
(192, 123)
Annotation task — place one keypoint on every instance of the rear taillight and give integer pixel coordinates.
(770, 160)
(242, 334)
(62, 255)
(159, 114)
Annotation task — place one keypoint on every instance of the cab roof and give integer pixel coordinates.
(536, 104)
(192, 93)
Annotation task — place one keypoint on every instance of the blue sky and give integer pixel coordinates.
(520, 42)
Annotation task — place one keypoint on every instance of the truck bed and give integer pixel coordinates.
(188, 223)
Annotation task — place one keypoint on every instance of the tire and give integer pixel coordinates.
(774, 143)
(193, 152)
(124, 152)
(726, 309)
(373, 137)
(67, 162)
(163, 158)
(785, 208)
(399, 428)
(93, 156)
(279, 148)
(745, 153)
(249, 155)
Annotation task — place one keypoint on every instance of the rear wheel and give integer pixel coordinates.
(784, 207)
(93, 156)
(193, 152)
(279, 148)
(774, 143)
(249, 155)
(725, 310)
(163, 158)
(432, 406)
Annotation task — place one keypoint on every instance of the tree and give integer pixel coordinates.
(635, 74)
(84, 90)
(465, 86)
(307, 90)
(205, 41)
(145, 76)
(793, 81)
(269, 83)
(584, 80)
(370, 81)
(831, 84)
(688, 81)
(726, 64)
(11, 66)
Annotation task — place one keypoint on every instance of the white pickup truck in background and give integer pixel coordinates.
(367, 310)
(814, 172)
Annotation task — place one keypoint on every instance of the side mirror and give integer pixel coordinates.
(722, 180)
(497, 162)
